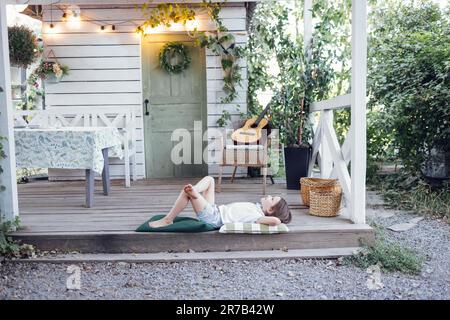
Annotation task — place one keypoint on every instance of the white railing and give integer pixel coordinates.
(333, 159)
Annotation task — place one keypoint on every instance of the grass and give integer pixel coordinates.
(390, 256)
(405, 192)
(421, 199)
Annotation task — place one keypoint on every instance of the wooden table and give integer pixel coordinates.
(90, 180)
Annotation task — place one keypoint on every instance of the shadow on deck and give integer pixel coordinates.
(54, 218)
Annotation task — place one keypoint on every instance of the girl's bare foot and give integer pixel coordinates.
(160, 223)
(189, 189)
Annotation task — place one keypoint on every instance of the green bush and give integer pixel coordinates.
(391, 256)
(10, 248)
(409, 77)
(23, 48)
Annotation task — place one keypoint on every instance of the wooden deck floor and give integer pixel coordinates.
(54, 211)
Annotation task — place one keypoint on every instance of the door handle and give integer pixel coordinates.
(146, 101)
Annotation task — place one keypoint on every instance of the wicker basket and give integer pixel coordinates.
(308, 184)
(325, 203)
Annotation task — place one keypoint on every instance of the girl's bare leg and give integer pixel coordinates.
(199, 195)
(197, 200)
(180, 204)
(206, 187)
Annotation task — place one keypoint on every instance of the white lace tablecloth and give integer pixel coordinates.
(67, 147)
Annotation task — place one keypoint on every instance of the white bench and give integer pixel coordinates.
(121, 118)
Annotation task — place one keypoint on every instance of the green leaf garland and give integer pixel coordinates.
(171, 51)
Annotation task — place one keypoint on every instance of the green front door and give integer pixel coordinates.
(175, 102)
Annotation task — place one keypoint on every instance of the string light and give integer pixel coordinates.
(72, 14)
(51, 16)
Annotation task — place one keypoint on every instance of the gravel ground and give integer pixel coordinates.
(276, 279)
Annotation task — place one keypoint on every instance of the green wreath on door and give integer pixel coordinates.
(174, 57)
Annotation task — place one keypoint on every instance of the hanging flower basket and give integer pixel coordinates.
(51, 71)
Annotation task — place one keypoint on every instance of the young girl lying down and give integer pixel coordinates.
(271, 211)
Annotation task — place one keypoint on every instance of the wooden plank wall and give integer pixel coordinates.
(105, 67)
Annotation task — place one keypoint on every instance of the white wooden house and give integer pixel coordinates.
(113, 68)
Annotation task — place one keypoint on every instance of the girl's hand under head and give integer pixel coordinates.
(268, 203)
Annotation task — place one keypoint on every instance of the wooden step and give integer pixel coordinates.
(306, 237)
(327, 253)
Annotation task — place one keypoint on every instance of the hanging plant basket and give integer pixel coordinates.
(174, 58)
(23, 46)
(51, 70)
(51, 78)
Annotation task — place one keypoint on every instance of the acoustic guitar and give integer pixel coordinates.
(251, 132)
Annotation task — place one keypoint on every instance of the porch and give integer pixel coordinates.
(52, 212)
(54, 219)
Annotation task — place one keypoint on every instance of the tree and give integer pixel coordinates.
(409, 79)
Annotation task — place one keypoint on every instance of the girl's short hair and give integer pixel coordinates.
(281, 211)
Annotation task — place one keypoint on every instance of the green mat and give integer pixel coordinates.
(180, 224)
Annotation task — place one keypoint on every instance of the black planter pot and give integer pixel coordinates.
(297, 162)
(254, 172)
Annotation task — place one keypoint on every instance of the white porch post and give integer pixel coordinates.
(358, 110)
(8, 198)
(307, 24)
(326, 160)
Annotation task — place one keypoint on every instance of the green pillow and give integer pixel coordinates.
(180, 224)
(255, 228)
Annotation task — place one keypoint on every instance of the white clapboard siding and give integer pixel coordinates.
(88, 51)
(137, 108)
(102, 63)
(216, 73)
(218, 109)
(94, 38)
(93, 99)
(105, 68)
(213, 61)
(218, 85)
(212, 119)
(217, 96)
(93, 87)
(103, 75)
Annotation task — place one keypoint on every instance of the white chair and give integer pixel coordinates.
(124, 120)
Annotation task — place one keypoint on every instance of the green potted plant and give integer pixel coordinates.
(23, 51)
(297, 150)
(23, 46)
